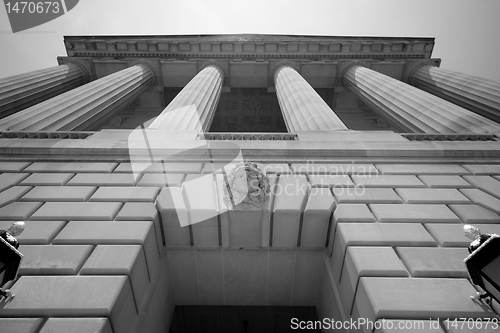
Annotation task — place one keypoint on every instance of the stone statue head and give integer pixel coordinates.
(471, 231)
(16, 228)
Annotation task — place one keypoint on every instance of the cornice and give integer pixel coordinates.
(250, 47)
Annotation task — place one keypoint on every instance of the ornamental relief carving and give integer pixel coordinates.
(246, 186)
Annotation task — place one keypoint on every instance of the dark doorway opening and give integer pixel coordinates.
(240, 319)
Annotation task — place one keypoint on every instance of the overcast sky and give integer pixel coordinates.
(466, 31)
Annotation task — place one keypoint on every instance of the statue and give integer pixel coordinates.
(246, 186)
(479, 241)
(10, 258)
(476, 236)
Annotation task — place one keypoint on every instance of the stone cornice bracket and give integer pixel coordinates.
(154, 67)
(412, 66)
(85, 65)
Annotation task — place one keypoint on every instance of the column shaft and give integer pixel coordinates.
(303, 109)
(412, 109)
(471, 92)
(22, 91)
(194, 107)
(84, 107)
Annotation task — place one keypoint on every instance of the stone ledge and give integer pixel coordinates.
(101, 179)
(89, 149)
(125, 194)
(112, 233)
(366, 195)
(53, 259)
(8, 180)
(19, 210)
(434, 262)
(77, 211)
(13, 194)
(121, 260)
(91, 296)
(47, 179)
(59, 193)
(21, 325)
(72, 167)
(409, 326)
(376, 234)
(417, 299)
(367, 261)
(438, 213)
(13, 166)
(421, 169)
(37, 232)
(452, 235)
(432, 196)
(474, 214)
(77, 325)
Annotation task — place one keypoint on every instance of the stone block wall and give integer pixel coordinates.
(104, 251)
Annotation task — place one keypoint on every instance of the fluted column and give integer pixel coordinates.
(471, 92)
(19, 92)
(302, 107)
(194, 107)
(413, 109)
(84, 107)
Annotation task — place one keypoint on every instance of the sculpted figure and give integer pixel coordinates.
(9, 236)
(246, 186)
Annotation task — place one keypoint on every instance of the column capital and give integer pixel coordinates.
(412, 67)
(154, 67)
(85, 65)
(222, 66)
(344, 66)
(274, 68)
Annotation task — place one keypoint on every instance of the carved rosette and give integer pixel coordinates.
(246, 186)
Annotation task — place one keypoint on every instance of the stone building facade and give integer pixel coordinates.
(119, 161)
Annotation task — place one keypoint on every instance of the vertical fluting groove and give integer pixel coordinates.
(22, 91)
(194, 107)
(411, 108)
(474, 93)
(83, 106)
(302, 108)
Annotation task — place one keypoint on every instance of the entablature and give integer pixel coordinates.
(250, 47)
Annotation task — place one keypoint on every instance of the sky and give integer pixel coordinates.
(466, 31)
